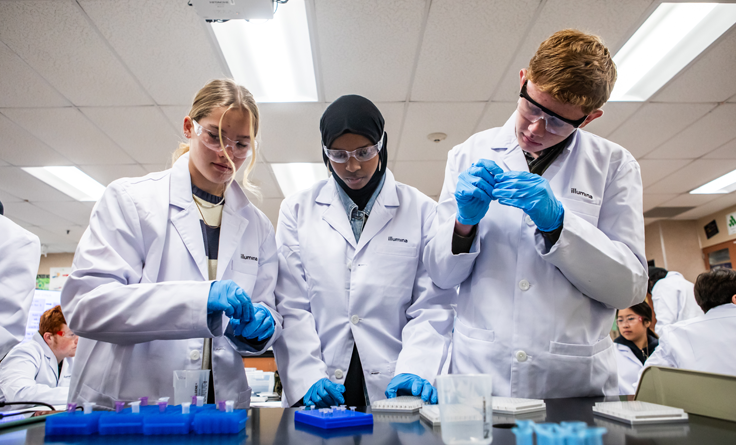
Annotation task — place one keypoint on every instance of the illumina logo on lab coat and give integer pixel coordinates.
(401, 240)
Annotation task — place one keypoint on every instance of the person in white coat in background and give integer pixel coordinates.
(20, 255)
(704, 343)
(39, 370)
(177, 269)
(540, 224)
(635, 344)
(673, 298)
(362, 319)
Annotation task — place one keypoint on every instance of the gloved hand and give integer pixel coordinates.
(474, 191)
(226, 296)
(324, 394)
(532, 194)
(411, 385)
(260, 327)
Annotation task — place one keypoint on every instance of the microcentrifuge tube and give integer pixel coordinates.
(135, 407)
(229, 405)
(200, 400)
(185, 408)
(144, 401)
(119, 405)
(71, 407)
(88, 407)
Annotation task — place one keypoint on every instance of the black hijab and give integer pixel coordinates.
(357, 115)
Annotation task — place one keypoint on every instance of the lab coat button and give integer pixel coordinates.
(528, 220)
(194, 355)
(524, 285)
(338, 373)
(350, 265)
(521, 356)
(354, 319)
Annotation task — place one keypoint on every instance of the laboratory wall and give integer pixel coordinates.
(675, 246)
(54, 260)
(721, 219)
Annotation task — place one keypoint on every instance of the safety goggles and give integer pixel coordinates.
(361, 154)
(239, 149)
(69, 334)
(628, 320)
(553, 122)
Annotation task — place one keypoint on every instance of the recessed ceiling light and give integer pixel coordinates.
(272, 58)
(69, 180)
(724, 184)
(297, 176)
(668, 40)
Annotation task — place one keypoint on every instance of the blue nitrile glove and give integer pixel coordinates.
(532, 194)
(324, 394)
(411, 385)
(474, 191)
(260, 327)
(226, 296)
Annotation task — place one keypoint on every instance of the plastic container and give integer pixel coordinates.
(190, 382)
(331, 418)
(260, 381)
(466, 411)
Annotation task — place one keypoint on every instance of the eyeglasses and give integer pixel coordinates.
(69, 334)
(239, 149)
(361, 154)
(553, 122)
(628, 320)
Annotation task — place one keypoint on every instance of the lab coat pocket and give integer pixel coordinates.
(484, 335)
(244, 275)
(579, 370)
(587, 210)
(471, 348)
(397, 248)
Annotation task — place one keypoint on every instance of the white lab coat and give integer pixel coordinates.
(674, 300)
(30, 372)
(628, 369)
(20, 254)
(702, 343)
(537, 317)
(333, 291)
(138, 292)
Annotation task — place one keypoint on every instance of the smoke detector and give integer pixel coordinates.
(436, 137)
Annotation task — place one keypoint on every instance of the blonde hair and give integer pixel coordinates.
(575, 68)
(220, 93)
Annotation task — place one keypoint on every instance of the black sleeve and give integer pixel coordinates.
(462, 244)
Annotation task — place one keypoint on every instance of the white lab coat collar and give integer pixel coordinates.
(47, 353)
(187, 223)
(724, 310)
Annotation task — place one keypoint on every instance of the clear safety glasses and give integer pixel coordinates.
(239, 149)
(361, 154)
(70, 334)
(553, 122)
(628, 320)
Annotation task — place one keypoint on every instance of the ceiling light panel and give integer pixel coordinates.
(297, 176)
(69, 180)
(668, 41)
(272, 58)
(724, 184)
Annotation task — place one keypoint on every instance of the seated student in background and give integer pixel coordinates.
(40, 369)
(635, 344)
(672, 297)
(704, 343)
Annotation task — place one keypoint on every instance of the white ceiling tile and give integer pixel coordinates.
(182, 57)
(427, 176)
(651, 200)
(460, 60)
(654, 170)
(648, 221)
(726, 151)
(152, 168)
(722, 202)
(19, 222)
(76, 212)
(688, 200)
(711, 131)
(654, 123)
(143, 132)
(20, 148)
(496, 114)
(393, 115)
(62, 247)
(708, 79)
(23, 87)
(692, 176)
(457, 120)
(263, 177)
(50, 238)
(69, 233)
(105, 173)
(368, 47)
(57, 41)
(176, 115)
(614, 114)
(6, 197)
(26, 187)
(611, 20)
(70, 133)
(290, 132)
(33, 214)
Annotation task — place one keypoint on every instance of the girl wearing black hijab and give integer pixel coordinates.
(362, 319)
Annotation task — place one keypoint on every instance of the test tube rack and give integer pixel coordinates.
(334, 417)
(569, 433)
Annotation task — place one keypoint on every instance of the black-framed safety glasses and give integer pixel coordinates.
(553, 122)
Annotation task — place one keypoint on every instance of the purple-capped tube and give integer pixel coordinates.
(144, 401)
(221, 405)
(119, 406)
(194, 400)
(162, 404)
(71, 407)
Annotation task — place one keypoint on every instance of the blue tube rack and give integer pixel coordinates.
(565, 433)
(331, 418)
